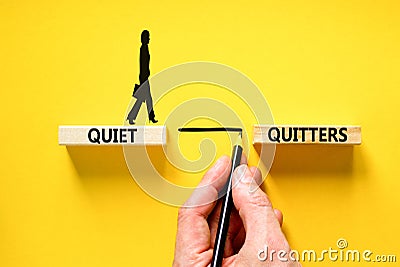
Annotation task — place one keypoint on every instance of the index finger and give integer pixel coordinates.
(203, 198)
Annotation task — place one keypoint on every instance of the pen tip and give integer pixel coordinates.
(239, 139)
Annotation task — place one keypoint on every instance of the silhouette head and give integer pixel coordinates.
(145, 37)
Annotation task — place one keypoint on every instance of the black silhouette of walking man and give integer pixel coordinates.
(142, 92)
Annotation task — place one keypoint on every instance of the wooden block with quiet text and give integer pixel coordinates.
(112, 135)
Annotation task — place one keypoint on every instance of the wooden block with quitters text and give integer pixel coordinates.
(307, 134)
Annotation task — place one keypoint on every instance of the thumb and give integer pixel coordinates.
(255, 209)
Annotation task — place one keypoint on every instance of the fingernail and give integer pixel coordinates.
(220, 163)
(253, 186)
(242, 174)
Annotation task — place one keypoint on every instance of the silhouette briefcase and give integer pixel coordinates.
(137, 86)
(135, 90)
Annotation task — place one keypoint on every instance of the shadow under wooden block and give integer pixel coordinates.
(109, 160)
(98, 160)
(311, 159)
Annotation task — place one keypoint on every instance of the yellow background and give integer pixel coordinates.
(74, 62)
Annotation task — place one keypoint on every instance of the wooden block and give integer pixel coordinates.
(307, 134)
(111, 135)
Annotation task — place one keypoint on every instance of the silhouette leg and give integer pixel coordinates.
(134, 111)
(149, 105)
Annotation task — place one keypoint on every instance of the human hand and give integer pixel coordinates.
(254, 224)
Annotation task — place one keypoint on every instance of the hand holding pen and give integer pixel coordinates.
(253, 225)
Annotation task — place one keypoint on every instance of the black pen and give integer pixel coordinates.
(226, 208)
